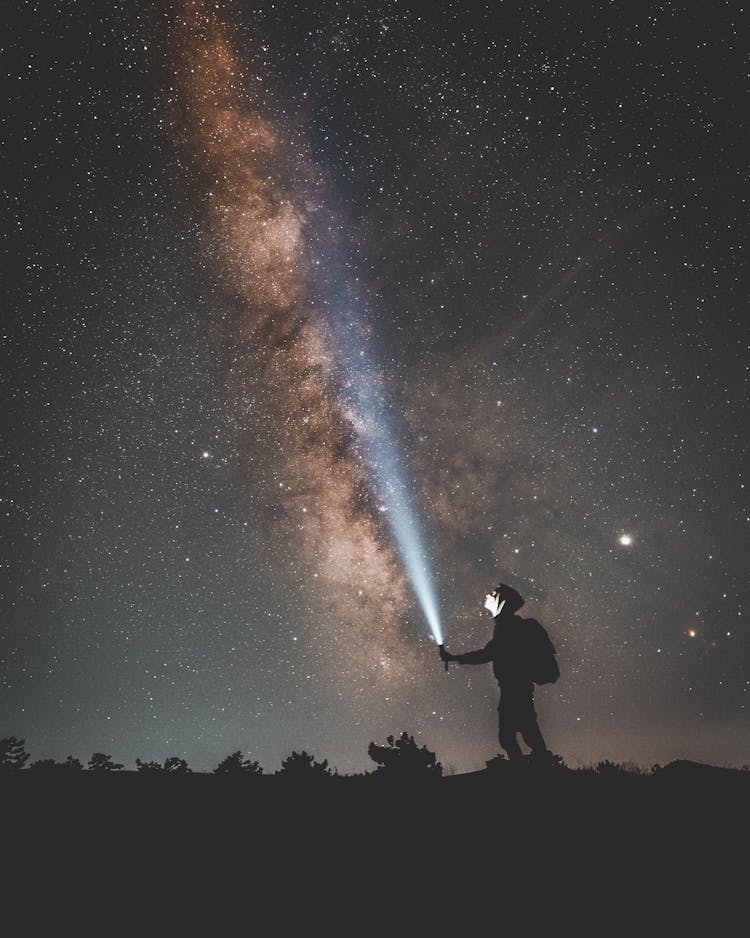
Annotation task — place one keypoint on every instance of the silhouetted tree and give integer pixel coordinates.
(176, 766)
(148, 768)
(99, 762)
(43, 765)
(234, 764)
(12, 753)
(302, 765)
(172, 766)
(609, 769)
(402, 758)
(71, 764)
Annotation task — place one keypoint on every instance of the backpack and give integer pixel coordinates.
(542, 654)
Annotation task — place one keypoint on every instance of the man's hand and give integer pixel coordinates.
(444, 655)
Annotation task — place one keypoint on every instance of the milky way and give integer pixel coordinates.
(523, 226)
(261, 232)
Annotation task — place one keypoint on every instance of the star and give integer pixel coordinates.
(347, 244)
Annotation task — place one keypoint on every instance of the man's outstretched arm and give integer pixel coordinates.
(481, 656)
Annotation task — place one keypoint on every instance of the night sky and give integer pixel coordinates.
(521, 225)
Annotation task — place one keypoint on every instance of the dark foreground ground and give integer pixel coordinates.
(556, 848)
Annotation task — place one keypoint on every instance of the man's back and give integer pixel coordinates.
(511, 649)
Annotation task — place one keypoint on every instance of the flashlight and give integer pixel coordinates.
(442, 648)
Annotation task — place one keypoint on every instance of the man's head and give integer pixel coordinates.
(505, 598)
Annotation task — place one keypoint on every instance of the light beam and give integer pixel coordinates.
(367, 412)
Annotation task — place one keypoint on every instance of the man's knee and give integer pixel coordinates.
(509, 742)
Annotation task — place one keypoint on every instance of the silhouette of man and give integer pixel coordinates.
(508, 650)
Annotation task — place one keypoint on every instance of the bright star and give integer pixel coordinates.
(626, 540)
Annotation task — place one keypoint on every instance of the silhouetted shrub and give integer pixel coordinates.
(176, 766)
(535, 763)
(609, 769)
(71, 764)
(172, 766)
(99, 762)
(496, 762)
(555, 761)
(234, 764)
(43, 765)
(302, 765)
(148, 768)
(12, 753)
(402, 758)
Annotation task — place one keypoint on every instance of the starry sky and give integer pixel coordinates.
(518, 227)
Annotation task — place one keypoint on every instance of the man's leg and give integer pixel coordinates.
(531, 733)
(506, 732)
